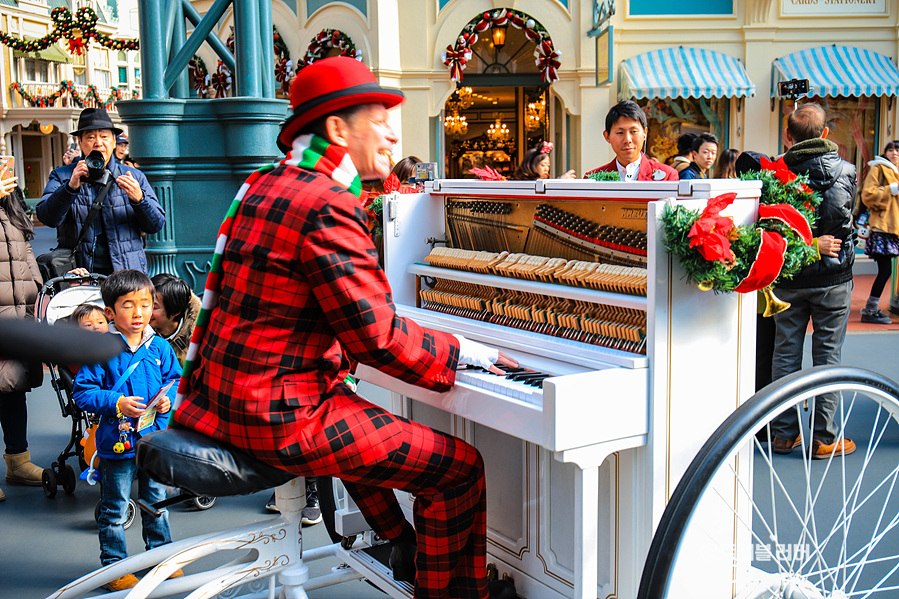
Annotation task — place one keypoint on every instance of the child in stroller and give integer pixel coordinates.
(74, 299)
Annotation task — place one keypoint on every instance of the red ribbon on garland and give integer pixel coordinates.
(767, 264)
(789, 216)
(455, 59)
(547, 61)
(76, 45)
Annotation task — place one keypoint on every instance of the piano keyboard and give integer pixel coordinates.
(518, 383)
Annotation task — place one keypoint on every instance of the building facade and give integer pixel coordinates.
(719, 62)
(45, 91)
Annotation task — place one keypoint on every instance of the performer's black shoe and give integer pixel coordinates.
(402, 561)
(501, 589)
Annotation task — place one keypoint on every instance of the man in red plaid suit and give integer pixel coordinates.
(300, 296)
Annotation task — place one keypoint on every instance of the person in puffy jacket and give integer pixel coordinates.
(880, 194)
(821, 291)
(115, 241)
(20, 282)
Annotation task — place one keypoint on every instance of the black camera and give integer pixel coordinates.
(96, 167)
(793, 88)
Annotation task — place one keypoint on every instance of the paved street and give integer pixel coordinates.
(45, 543)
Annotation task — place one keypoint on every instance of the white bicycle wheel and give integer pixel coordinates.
(746, 522)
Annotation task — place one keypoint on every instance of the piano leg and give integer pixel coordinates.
(587, 460)
(586, 532)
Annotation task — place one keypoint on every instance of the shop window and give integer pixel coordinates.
(136, 77)
(122, 56)
(852, 123)
(123, 75)
(101, 79)
(671, 117)
(37, 70)
(515, 55)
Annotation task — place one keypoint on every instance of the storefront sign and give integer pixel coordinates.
(832, 8)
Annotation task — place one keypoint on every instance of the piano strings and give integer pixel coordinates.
(480, 224)
(608, 326)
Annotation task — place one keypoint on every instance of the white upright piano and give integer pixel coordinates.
(581, 464)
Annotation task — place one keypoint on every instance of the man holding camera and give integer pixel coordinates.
(101, 208)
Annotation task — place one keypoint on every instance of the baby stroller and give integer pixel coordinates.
(57, 299)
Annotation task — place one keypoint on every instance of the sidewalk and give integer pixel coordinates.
(860, 297)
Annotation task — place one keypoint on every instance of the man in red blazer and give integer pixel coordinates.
(626, 128)
(301, 297)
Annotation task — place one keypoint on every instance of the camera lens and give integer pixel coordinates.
(96, 164)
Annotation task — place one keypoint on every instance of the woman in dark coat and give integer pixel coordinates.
(20, 281)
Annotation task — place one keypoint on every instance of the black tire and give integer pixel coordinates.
(203, 502)
(69, 479)
(48, 482)
(740, 428)
(328, 505)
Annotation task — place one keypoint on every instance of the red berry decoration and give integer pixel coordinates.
(127, 445)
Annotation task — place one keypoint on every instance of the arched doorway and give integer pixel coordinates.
(502, 104)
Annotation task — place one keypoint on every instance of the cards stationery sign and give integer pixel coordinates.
(833, 8)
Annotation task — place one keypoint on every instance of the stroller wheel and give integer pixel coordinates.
(129, 517)
(69, 479)
(132, 513)
(48, 482)
(203, 502)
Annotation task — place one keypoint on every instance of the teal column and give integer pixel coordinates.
(181, 89)
(152, 48)
(247, 79)
(268, 50)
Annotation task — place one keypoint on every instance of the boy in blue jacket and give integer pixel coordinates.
(119, 391)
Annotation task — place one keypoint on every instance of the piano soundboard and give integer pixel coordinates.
(625, 369)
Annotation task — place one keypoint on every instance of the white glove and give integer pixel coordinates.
(894, 189)
(476, 354)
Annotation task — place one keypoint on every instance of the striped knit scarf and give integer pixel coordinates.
(309, 152)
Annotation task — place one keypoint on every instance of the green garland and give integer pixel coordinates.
(778, 187)
(68, 86)
(605, 176)
(78, 29)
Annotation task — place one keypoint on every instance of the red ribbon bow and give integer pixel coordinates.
(547, 61)
(709, 234)
(546, 147)
(455, 59)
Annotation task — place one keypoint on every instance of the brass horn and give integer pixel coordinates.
(772, 304)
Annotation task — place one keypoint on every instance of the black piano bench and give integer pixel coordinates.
(200, 465)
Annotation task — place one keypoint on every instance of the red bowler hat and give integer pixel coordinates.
(329, 85)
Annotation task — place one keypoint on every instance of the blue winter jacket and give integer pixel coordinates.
(157, 366)
(122, 220)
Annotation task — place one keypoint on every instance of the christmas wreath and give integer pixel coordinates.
(546, 57)
(718, 255)
(77, 29)
(325, 40)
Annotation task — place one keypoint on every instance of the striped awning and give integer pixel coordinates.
(839, 71)
(684, 73)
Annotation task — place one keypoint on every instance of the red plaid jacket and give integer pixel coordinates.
(301, 293)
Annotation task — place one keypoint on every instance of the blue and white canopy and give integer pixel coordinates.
(684, 73)
(839, 71)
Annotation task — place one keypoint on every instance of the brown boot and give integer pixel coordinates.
(20, 470)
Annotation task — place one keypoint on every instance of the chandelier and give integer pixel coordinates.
(464, 97)
(455, 125)
(498, 132)
(534, 115)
